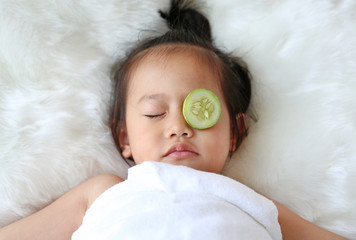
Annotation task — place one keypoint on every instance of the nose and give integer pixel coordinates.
(178, 127)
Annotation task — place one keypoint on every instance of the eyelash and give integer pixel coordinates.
(155, 115)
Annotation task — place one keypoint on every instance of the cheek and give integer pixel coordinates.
(143, 142)
(221, 138)
(216, 151)
(217, 143)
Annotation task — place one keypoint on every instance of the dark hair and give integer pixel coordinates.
(188, 28)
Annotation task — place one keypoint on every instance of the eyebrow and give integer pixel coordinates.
(149, 97)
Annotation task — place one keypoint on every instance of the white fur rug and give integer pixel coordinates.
(55, 59)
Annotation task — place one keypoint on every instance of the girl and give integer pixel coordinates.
(148, 124)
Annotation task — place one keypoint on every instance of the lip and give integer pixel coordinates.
(181, 151)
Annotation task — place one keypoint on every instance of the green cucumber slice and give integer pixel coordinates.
(201, 109)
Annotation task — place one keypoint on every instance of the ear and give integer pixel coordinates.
(241, 125)
(124, 142)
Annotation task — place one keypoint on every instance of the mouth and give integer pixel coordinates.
(181, 151)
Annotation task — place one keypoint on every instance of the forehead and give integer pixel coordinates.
(175, 61)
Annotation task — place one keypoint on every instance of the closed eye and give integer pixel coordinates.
(155, 115)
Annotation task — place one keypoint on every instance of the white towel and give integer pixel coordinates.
(163, 201)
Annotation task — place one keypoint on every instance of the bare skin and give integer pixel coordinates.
(61, 218)
(295, 227)
(150, 138)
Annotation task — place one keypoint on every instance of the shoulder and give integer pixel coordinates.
(99, 184)
(106, 179)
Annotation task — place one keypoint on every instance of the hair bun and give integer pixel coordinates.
(182, 17)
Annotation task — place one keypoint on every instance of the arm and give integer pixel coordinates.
(61, 218)
(295, 227)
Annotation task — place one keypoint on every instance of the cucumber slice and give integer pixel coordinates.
(201, 109)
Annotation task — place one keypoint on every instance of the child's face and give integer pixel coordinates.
(155, 126)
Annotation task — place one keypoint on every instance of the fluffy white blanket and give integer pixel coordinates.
(163, 201)
(55, 91)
